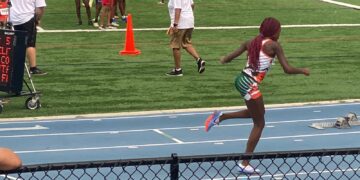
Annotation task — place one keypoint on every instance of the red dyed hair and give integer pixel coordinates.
(268, 29)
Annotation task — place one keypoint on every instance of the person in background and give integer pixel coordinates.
(9, 160)
(88, 11)
(24, 15)
(98, 7)
(261, 52)
(105, 14)
(180, 31)
(121, 4)
(4, 14)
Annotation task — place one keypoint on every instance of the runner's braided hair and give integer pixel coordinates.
(268, 29)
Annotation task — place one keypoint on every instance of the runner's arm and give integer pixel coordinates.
(288, 69)
(234, 54)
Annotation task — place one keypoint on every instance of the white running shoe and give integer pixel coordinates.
(247, 169)
(38, 28)
(95, 24)
(111, 27)
(114, 24)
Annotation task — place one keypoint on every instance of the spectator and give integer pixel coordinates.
(98, 7)
(88, 11)
(3, 13)
(9, 160)
(121, 5)
(24, 15)
(105, 14)
(181, 28)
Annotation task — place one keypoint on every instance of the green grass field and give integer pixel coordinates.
(86, 74)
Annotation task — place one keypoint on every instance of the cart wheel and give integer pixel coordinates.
(32, 103)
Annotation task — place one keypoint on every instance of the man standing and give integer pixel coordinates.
(181, 28)
(24, 15)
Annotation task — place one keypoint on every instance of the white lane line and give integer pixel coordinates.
(202, 28)
(36, 127)
(162, 129)
(282, 176)
(168, 136)
(10, 177)
(186, 143)
(342, 4)
(172, 113)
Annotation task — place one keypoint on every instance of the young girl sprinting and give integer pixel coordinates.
(261, 52)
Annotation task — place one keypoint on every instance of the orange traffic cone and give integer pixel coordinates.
(129, 39)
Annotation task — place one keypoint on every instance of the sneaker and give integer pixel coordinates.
(114, 24)
(124, 19)
(96, 24)
(161, 2)
(39, 28)
(111, 27)
(37, 71)
(102, 28)
(174, 72)
(212, 120)
(201, 65)
(247, 169)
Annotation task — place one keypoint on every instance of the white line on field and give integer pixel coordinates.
(204, 28)
(342, 4)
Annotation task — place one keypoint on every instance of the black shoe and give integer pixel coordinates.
(201, 65)
(37, 71)
(174, 72)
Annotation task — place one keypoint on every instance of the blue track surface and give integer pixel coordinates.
(159, 135)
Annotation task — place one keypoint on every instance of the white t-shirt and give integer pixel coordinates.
(186, 20)
(22, 11)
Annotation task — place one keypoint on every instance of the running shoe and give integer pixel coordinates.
(102, 28)
(212, 120)
(247, 169)
(175, 72)
(37, 71)
(201, 65)
(124, 19)
(110, 27)
(39, 28)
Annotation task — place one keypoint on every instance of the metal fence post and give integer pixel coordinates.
(174, 167)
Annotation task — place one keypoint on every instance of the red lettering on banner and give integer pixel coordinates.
(8, 40)
(5, 60)
(4, 51)
(4, 69)
(4, 78)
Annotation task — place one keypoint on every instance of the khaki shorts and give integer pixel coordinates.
(181, 38)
